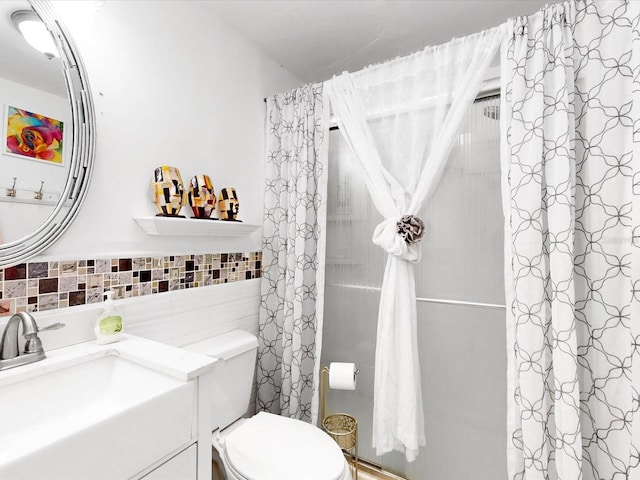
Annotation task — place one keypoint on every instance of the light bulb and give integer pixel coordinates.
(35, 32)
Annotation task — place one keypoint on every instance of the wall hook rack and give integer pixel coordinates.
(38, 195)
(11, 192)
(30, 196)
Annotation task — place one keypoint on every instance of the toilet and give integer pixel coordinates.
(265, 446)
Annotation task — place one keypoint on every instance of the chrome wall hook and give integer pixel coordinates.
(11, 192)
(38, 195)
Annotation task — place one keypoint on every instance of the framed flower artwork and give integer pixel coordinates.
(33, 136)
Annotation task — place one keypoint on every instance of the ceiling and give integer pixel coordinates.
(21, 63)
(315, 39)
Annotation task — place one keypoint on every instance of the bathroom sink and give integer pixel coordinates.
(84, 419)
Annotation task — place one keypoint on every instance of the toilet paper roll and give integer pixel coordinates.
(342, 376)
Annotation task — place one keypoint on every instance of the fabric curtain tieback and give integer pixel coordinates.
(410, 228)
(400, 236)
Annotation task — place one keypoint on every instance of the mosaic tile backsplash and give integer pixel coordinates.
(40, 286)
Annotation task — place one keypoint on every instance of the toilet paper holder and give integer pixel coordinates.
(342, 427)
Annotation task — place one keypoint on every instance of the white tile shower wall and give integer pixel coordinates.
(176, 318)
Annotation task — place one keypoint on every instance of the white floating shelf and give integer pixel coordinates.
(192, 227)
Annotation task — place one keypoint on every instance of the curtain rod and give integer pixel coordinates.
(490, 86)
(479, 98)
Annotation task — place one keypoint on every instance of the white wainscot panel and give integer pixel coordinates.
(175, 318)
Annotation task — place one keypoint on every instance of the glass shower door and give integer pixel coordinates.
(459, 284)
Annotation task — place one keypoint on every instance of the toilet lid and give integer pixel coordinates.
(271, 447)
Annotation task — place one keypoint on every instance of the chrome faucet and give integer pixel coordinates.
(9, 348)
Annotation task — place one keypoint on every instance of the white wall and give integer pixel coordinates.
(171, 85)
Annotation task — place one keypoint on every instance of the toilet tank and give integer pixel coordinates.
(233, 377)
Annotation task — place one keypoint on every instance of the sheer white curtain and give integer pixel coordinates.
(571, 195)
(400, 118)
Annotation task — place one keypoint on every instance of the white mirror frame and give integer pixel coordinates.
(82, 147)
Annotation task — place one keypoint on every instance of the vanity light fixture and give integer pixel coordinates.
(35, 32)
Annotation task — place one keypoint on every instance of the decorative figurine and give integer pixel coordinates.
(168, 191)
(228, 204)
(202, 198)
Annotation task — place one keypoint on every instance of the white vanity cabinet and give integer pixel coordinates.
(194, 461)
(124, 410)
(182, 466)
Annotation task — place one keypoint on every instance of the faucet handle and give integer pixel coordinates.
(53, 326)
(33, 343)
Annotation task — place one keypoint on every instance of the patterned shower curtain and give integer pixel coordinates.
(291, 308)
(571, 190)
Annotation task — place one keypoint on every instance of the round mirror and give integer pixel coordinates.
(48, 127)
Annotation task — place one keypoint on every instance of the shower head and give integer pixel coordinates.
(492, 112)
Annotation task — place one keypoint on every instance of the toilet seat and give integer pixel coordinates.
(272, 447)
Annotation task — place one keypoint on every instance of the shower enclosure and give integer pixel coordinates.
(460, 290)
